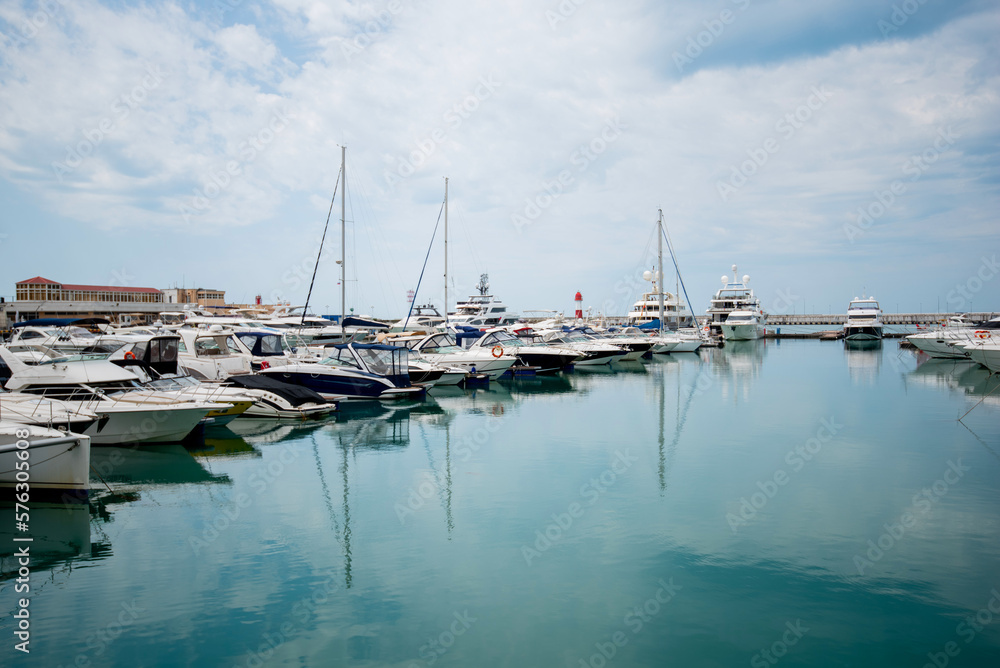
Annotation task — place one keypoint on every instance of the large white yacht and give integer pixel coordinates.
(864, 320)
(482, 310)
(423, 317)
(734, 295)
(647, 309)
(745, 324)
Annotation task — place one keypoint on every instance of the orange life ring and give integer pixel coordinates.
(497, 350)
(130, 355)
(982, 334)
(264, 364)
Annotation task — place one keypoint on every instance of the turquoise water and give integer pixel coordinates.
(709, 509)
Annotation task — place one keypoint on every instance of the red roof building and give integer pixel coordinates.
(44, 289)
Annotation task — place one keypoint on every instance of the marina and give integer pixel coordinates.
(499, 335)
(374, 536)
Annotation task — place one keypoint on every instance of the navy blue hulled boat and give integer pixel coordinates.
(353, 371)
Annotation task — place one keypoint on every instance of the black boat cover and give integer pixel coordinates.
(296, 395)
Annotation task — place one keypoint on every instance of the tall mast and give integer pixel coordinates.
(659, 253)
(446, 250)
(343, 236)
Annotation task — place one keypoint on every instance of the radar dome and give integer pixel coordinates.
(647, 275)
(746, 278)
(725, 279)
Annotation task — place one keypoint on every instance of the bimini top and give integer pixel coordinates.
(61, 322)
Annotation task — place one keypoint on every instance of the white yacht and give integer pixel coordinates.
(59, 461)
(545, 359)
(732, 296)
(744, 324)
(864, 320)
(957, 329)
(442, 349)
(482, 310)
(647, 310)
(423, 317)
(93, 383)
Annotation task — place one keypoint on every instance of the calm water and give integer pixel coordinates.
(697, 510)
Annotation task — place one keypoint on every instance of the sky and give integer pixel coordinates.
(829, 149)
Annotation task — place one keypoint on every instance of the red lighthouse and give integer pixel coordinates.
(579, 306)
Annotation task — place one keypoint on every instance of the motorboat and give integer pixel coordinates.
(443, 349)
(983, 348)
(864, 320)
(595, 352)
(958, 329)
(94, 383)
(734, 295)
(353, 371)
(154, 361)
(59, 462)
(206, 355)
(66, 335)
(545, 358)
(25, 408)
(633, 347)
(744, 324)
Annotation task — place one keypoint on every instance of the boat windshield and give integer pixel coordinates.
(383, 361)
(501, 338)
(210, 346)
(88, 357)
(441, 344)
(738, 318)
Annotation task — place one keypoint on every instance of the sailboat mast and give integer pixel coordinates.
(659, 253)
(343, 236)
(446, 250)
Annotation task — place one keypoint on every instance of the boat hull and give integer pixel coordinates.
(867, 333)
(164, 424)
(58, 462)
(747, 332)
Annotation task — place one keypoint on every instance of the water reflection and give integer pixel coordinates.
(864, 360)
(59, 533)
(961, 376)
(149, 464)
(738, 363)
